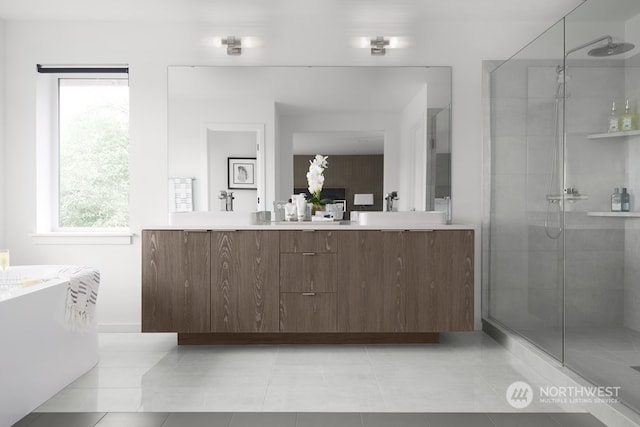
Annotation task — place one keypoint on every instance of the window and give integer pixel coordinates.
(88, 149)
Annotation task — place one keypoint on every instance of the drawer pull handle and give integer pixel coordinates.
(308, 253)
(309, 294)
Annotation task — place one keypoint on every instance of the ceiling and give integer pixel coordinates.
(253, 12)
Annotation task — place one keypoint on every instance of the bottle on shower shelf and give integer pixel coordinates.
(625, 200)
(613, 119)
(616, 201)
(628, 120)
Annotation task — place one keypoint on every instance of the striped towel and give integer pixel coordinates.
(82, 295)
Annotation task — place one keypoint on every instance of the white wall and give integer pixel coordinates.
(413, 137)
(2, 144)
(148, 48)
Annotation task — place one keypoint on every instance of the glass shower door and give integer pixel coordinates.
(602, 249)
(527, 157)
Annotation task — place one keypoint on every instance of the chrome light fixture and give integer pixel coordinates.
(378, 46)
(233, 44)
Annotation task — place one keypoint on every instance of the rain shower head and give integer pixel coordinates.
(611, 49)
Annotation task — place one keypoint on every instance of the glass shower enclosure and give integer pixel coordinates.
(563, 269)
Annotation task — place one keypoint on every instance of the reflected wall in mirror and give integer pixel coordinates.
(356, 163)
(403, 112)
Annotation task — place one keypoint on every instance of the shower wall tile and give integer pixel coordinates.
(545, 271)
(633, 173)
(542, 82)
(594, 308)
(587, 115)
(509, 236)
(509, 270)
(537, 189)
(511, 116)
(594, 269)
(603, 158)
(538, 240)
(510, 81)
(602, 240)
(632, 275)
(508, 195)
(596, 82)
(545, 305)
(509, 155)
(541, 117)
(540, 152)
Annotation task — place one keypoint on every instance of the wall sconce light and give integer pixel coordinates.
(233, 44)
(378, 46)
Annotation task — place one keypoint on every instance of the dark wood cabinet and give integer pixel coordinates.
(175, 281)
(372, 281)
(308, 279)
(244, 281)
(297, 241)
(308, 312)
(308, 272)
(272, 285)
(443, 297)
(405, 281)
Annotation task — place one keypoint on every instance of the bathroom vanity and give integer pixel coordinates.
(307, 283)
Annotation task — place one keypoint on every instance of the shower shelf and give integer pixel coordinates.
(613, 134)
(616, 214)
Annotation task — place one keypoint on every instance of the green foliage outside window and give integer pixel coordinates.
(94, 157)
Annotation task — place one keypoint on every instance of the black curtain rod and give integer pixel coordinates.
(84, 70)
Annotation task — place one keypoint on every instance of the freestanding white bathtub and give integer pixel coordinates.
(39, 352)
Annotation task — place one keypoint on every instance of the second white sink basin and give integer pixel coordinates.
(407, 219)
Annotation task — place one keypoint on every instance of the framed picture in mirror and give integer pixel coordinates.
(242, 173)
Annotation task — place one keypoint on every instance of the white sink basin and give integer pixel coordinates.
(204, 218)
(406, 219)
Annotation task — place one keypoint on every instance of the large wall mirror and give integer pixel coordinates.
(384, 129)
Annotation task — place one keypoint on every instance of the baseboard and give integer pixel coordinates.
(119, 327)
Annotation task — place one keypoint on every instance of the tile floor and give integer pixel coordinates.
(204, 419)
(467, 372)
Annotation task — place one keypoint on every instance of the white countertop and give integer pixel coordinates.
(312, 225)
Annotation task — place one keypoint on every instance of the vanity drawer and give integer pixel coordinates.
(308, 312)
(297, 241)
(308, 272)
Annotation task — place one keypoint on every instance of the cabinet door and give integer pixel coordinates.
(297, 241)
(308, 272)
(175, 281)
(371, 281)
(440, 295)
(244, 283)
(307, 312)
